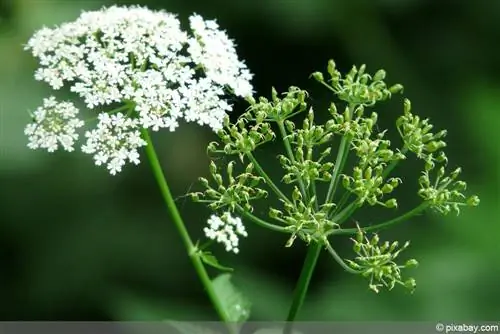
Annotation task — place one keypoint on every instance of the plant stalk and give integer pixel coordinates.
(300, 292)
(181, 227)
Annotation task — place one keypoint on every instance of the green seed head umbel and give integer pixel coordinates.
(333, 168)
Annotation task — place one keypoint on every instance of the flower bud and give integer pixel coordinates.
(218, 179)
(455, 173)
(261, 193)
(357, 173)
(212, 193)
(368, 173)
(407, 106)
(230, 167)
(411, 284)
(359, 236)
(357, 248)
(433, 146)
(284, 161)
(331, 67)
(441, 172)
(290, 126)
(441, 158)
(429, 165)
(204, 182)
(379, 75)
(387, 188)
(473, 201)
(397, 88)
(273, 213)
(274, 95)
(290, 241)
(460, 186)
(384, 247)
(333, 109)
(412, 263)
(288, 178)
(318, 76)
(346, 182)
(287, 107)
(250, 100)
(393, 247)
(296, 195)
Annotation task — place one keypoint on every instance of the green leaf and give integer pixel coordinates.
(234, 303)
(189, 328)
(212, 261)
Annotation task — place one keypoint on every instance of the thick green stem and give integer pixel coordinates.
(300, 292)
(179, 224)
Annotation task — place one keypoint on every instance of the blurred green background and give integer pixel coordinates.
(78, 244)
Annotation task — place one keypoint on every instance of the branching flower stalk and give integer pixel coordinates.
(325, 191)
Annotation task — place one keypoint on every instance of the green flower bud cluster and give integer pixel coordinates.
(417, 136)
(293, 103)
(240, 138)
(373, 152)
(239, 190)
(445, 194)
(305, 166)
(307, 222)
(369, 185)
(377, 262)
(358, 87)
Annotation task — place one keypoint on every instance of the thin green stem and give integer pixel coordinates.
(261, 222)
(347, 212)
(314, 194)
(342, 202)
(339, 165)
(339, 260)
(291, 156)
(328, 86)
(266, 177)
(300, 292)
(179, 224)
(386, 224)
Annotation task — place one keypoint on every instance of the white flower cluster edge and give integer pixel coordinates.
(226, 230)
(136, 56)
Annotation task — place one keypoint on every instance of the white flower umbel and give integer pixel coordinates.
(115, 141)
(54, 124)
(226, 230)
(142, 58)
